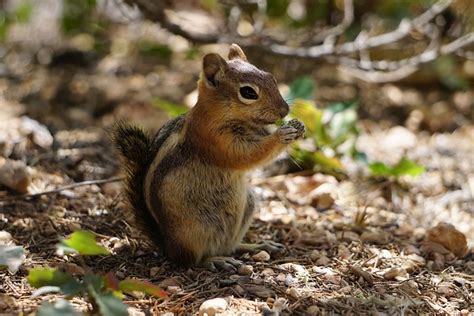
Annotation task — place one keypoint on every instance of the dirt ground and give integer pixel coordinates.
(356, 248)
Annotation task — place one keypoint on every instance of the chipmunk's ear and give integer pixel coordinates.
(212, 66)
(236, 52)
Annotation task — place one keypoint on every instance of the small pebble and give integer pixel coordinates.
(293, 292)
(313, 310)
(323, 197)
(135, 312)
(245, 269)
(323, 261)
(5, 237)
(173, 289)
(314, 255)
(213, 307)
(261, 256)
(281, 277)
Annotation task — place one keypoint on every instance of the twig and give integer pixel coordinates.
(329, 35)
(362, 67)
(404, 67)
(57, 190)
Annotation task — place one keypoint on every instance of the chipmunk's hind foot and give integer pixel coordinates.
(223, 263)
(267, 245)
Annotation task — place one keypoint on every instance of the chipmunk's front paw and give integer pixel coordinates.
(290, 132)
(298, 125)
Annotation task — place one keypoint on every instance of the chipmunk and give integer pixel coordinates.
(187, 185)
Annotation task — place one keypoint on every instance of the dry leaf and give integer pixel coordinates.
(448, 236)
(362, 273)
(395, 272)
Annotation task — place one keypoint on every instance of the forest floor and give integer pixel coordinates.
(353, 246)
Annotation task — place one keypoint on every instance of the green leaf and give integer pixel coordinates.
(94, 280)
(407, 167)
(109, 305)
(11, 257)
(60, 308)
(46, 276)
(380, 169)
(23, 12)
(52, 280)
(82, 242)
(173, 110)
(402, 168)
(277, 8)
(130, 285)
(77, 15)
(329, 164)
(302, 88)
(154, 49)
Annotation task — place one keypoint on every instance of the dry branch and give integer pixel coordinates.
(343, 53)
(62, 188)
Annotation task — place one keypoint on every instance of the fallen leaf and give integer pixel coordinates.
(362, 273)
(448, 236)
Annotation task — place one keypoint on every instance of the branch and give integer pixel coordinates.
(57, 190)
(405, 67)
(382, 70)
(156, 11)
(329, 35)
(404, 28)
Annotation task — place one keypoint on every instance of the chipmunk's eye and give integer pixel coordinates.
(247, 92)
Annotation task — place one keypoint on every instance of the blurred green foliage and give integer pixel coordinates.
(402, 168)
(172, 109)
(154, 49)
(21, 14)
(333, 132)
(103, 292)
(277, 8)
(78, 15)
(449, 74)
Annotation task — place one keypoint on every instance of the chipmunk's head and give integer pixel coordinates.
(241, 89)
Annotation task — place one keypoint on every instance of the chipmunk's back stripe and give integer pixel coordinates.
(165, 142)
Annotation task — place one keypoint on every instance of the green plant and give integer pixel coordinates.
(78, 16)
(333, 134)
(21, 14)
(172, 109)
(402, 168)
(104, 292)
(332, 130)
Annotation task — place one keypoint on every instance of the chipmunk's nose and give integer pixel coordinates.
(283, 109)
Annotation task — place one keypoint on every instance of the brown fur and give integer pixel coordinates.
(193, 188)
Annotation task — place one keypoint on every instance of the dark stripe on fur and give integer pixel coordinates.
(138, 151)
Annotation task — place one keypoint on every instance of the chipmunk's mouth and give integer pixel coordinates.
(263, 121)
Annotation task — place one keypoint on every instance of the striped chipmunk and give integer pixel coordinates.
(187, 186)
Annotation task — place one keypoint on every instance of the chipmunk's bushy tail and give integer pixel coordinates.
(135, 147)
